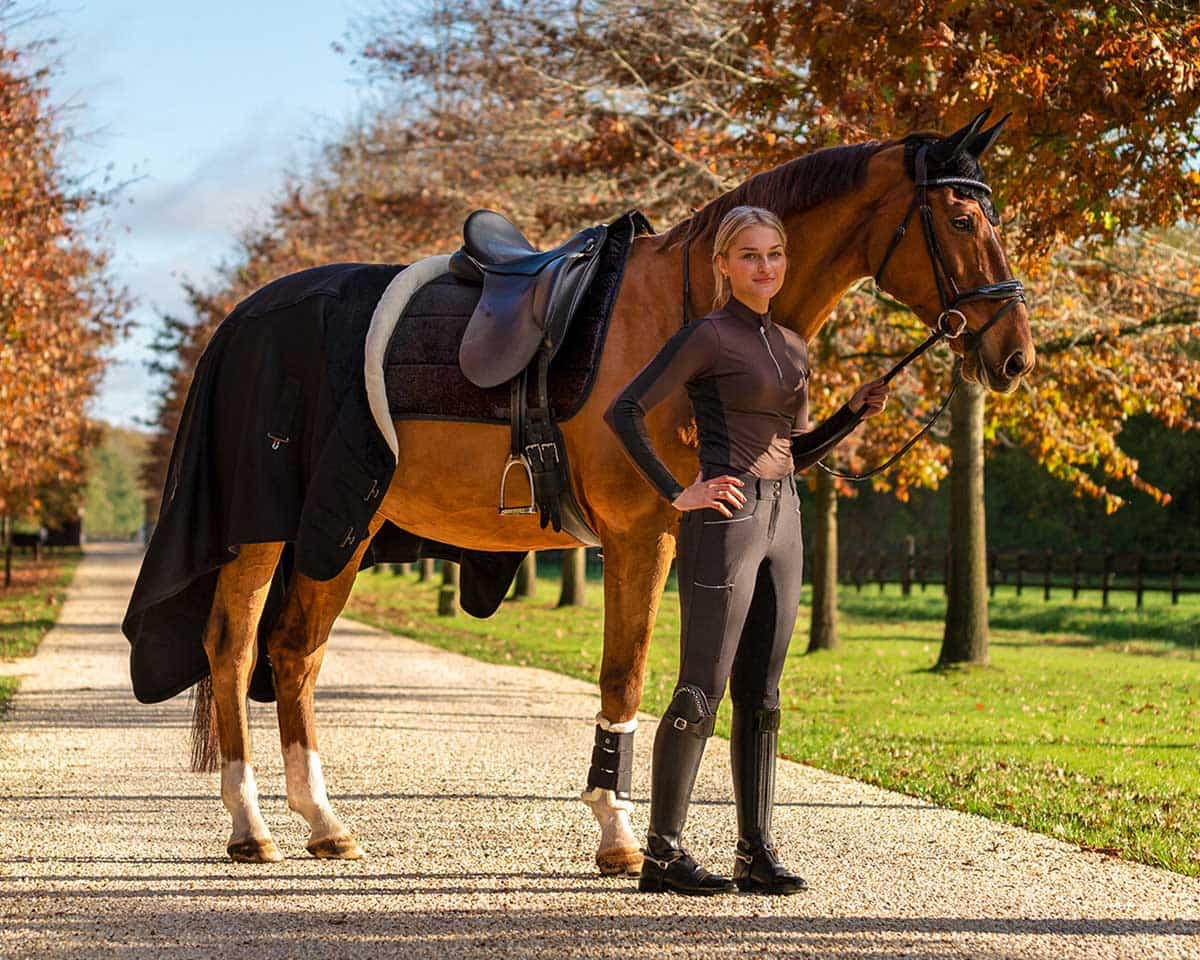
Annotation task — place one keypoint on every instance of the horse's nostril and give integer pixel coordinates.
(1014, 366)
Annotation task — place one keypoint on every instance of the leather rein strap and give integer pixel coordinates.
(951, 323)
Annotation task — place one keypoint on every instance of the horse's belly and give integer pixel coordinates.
(447, 488)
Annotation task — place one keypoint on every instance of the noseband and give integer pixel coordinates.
(951, 323)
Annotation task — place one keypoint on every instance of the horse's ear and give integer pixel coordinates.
(979, 143)
(949, 147)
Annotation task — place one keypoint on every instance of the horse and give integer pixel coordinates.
(845, 209)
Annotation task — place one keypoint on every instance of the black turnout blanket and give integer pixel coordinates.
(277, 443)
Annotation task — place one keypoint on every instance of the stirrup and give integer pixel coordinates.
(531, 507)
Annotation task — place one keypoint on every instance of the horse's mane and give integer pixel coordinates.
(791, 187)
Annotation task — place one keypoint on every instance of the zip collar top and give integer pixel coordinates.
(747, 378)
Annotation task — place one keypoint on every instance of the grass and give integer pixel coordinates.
(30, 607)
(1085, 725)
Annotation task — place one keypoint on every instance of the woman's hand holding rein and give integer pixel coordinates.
(711, 494)
(870, 398)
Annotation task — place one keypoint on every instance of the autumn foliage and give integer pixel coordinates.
(57, 308)
(561, 114)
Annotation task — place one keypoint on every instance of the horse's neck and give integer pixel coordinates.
(827, 254)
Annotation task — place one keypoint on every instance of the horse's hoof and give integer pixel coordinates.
(336, 848)
(254, 851)
(620, 862)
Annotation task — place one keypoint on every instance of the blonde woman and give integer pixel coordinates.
(739, 555)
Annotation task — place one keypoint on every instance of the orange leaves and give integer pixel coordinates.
(56, 308)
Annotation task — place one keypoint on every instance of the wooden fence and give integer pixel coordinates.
(1045, 570)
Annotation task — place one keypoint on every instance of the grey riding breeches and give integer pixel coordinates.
(739, 589)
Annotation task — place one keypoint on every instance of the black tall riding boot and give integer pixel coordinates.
(754, 738)
(678, 747)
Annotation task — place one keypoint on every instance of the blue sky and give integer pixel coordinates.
(206, 105)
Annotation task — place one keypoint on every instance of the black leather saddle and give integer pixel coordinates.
(529, 295)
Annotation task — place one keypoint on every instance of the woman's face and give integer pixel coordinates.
(755, 263)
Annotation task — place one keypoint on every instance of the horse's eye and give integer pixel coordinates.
(965, 224)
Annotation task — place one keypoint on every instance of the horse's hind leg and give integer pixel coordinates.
(297, 647)
(231, 642)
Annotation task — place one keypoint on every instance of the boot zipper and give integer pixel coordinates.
(771, 352)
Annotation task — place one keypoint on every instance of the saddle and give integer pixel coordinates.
(529, 295)
(528, 300)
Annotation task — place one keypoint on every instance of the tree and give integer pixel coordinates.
(574, 578)
(58, 307)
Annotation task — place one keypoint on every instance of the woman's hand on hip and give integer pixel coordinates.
(870, 398)
(712, 494)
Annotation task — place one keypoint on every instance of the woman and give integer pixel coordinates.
(739, 555)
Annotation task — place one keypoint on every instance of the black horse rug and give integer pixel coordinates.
(279, 441)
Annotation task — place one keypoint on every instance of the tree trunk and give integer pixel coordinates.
(574, 578)
(966, 636)
(425, 571)
(448, 592)
(526, 575)
(823, 633)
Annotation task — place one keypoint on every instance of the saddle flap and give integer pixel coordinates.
(505, 330)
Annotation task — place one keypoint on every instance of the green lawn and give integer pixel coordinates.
(29, 608)
(1085, 726)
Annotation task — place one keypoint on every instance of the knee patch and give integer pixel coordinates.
(690, 711)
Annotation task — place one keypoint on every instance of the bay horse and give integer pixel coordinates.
(841, 207)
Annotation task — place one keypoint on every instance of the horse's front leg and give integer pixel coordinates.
(635, 571)
(297, 648)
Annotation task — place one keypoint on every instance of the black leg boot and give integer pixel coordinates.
(753, 741)
(678, 747)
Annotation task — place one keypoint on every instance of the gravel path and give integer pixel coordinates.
(460, 780)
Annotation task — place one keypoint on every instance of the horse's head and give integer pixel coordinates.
(933, 245)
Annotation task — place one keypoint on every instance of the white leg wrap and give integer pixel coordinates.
(306, 792)
(239, 793)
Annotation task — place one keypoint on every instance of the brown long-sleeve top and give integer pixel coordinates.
(747, 378)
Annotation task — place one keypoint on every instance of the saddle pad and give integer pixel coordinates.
(421, 374)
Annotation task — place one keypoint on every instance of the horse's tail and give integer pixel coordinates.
(206, 748)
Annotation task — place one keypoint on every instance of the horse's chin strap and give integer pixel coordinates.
(951, 323)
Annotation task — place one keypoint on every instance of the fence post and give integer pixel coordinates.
(1020, 571)
(1076, 566)
(1176, 573)
(1048, 575)
(906, 576)
(1139, 574)
(1106, 579)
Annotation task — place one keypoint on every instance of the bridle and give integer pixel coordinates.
(951, 323)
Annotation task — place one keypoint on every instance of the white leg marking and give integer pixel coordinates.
(613, 816)
(306, 792)
(239, 792)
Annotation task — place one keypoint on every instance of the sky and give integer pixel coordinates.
(203, 107)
